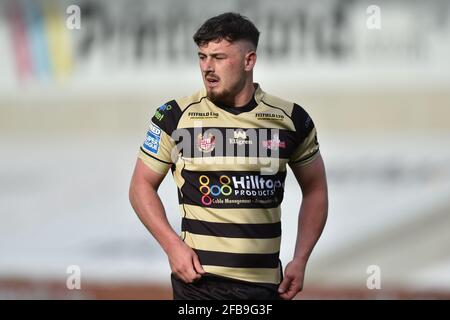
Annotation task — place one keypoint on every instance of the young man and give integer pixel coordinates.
(227, 146)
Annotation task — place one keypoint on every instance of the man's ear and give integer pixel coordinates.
(249, 60)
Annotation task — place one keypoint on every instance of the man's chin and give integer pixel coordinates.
(215, 96)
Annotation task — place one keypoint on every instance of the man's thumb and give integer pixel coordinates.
(284, 285)
(198, 267)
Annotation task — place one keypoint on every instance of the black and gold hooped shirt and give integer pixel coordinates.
(229, 165)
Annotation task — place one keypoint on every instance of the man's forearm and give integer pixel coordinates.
(311, 221)
(149, 208)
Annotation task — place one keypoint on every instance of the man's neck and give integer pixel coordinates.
(245, 95)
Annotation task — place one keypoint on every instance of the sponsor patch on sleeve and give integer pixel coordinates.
(153, 139)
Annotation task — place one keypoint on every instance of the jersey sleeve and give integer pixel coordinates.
(307, 148)
(158, 151)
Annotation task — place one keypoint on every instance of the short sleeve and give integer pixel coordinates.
(307, 148)
(159, 149)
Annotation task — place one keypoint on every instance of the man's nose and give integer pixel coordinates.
(208, 65)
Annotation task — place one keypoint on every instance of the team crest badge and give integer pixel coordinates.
(206, 143)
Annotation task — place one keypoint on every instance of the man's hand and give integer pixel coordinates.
(293, 280)
(184, 262)
(311, 221)
(148, 206)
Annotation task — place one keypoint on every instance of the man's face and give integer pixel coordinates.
(223, 68)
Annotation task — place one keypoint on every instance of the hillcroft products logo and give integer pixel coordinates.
(245, 189)
(214, 190)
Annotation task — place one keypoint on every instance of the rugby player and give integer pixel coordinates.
(228, 147)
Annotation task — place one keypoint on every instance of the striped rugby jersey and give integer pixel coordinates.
(229, 165)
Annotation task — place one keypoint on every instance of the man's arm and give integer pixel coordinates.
(149, 208)
(311, 221)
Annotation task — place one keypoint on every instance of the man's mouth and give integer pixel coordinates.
(212, 81)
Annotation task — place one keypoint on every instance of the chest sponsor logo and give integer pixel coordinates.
(240, 137)
(203, 115)
(275, 143)
(269, 116)
(237, 190)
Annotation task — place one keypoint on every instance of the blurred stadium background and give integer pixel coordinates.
(75, 105)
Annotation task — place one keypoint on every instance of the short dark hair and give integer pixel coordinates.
(229, 26)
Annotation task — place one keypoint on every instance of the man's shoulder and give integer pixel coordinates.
(168, 114)
(275, 102)
(187, 101)
(181, 103)
(293, 110)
